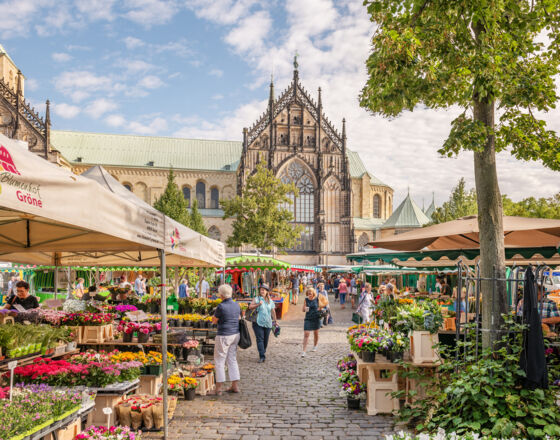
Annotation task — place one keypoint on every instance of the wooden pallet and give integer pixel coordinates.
(205, 385)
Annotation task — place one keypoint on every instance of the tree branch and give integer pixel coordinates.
(417, 15)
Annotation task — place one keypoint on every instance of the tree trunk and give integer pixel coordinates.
(491, 230)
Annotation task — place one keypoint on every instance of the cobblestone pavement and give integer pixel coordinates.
(287, 397)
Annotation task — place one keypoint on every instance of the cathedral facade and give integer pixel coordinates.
(340, 205)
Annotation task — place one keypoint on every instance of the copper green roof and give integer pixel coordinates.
(430, 209)
(142, 151)
(358, 169)
(367, 224)
(407, 215)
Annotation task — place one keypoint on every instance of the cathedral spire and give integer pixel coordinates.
(271, 95)
(19, 91)
(48, 113)
(296, 66)
(319, 100)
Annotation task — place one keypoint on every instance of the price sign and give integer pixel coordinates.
(108, 411)
(18, 307)
(138, 315)
(11, 366)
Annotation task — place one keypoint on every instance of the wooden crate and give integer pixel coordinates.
(421, 347)
(379, 389)
(68, 433)
(449, 324)
(150, 385)
(96, 417)
(204, 385)
(97, 334)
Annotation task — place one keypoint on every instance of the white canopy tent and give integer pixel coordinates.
(51, 216)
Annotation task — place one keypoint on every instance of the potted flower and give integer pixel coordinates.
(144, 329)
(189, 387)
(127, 329)
(400, 343)
(354, 391)
(426, 321)
(368, 346)
(190, 348)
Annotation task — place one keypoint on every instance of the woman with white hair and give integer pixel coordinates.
(226, 317)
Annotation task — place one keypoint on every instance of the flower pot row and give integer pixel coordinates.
(392, 356)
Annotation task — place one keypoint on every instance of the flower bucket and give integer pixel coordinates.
(395, 356)
(361, 354)
(368, 356)
(154, 370)
(189, 393)
(143, 337)
(127, 337)
(353, 403)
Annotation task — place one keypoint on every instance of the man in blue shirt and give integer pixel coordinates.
(139, 285)
(335, 286)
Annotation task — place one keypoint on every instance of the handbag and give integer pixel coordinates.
(275, 329)
(251, 315)
(244, 335)
(356, 318)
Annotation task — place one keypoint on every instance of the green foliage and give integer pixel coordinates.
(260, 219)
(172, 203)
(441, 54)
(462, 202)
(196, 222)
(485, 395)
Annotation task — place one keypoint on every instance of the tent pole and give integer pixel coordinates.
(56, 282)
(164, 340)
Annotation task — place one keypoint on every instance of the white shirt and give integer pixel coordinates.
(204, 289)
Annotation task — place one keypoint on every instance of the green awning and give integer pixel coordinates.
(255, 262)
(453, 254)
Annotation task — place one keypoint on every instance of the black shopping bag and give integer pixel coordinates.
(244, 335)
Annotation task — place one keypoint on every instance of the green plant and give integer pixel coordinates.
(485, 395)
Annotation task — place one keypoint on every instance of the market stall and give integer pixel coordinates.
(34, 228)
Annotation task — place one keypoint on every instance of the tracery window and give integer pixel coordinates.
(214, 233)
(303, 207)
(201, 194)
(214, 198)
(376, 206)
(187, 196)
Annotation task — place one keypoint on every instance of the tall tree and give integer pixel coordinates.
(462, 202)
(172, 202)
(260, 217)
(197, 224)
(477, 55)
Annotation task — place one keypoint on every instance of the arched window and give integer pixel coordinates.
(201, 195)
(303, 207)
(128, 186)
(141, 190)
(187, 195)
(214, 233)
(377, 206)
(214, 198)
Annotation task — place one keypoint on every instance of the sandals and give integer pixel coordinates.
(231, 390)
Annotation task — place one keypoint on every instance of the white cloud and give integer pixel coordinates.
(155, 126)
(133, 42)
(216, 72)
(17, 15)
(250, 32)
(80, 84)
(221, 11)
(151, 12)
(61, 57)
(151, 82)
(66, 111)
(99, 107)
(31, 84)
(217, 97)
(115, 120)
(136, 66)
(97, 9)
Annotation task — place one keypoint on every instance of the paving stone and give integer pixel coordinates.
(286, 397)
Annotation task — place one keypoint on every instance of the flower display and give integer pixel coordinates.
(32, 408)
(74, 306)
(191, 343)
(150, 358)
(87, 319)
(129, 327)
(112, 433)
(353, 389)
(177, 383)
(347, 363)
(123, 308)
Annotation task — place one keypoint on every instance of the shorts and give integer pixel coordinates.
(342, 298)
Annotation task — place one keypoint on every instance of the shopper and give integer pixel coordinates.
(202, 288)
(324, 300)
(312, 321)
(336, 283)
(184, 288)
(226, 317)
(295, 289)
(139, 286)
(365, 303)
(22, 297)
(353, 291)
(79, 288)
(342, 292)
(265, 317)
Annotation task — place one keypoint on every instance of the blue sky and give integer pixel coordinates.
(200, 68)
